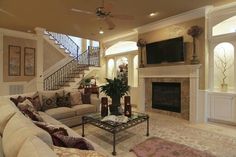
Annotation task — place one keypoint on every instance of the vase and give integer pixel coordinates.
(115, 106)
(195, 59)
(224, 87)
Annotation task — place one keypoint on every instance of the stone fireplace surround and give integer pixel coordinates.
(184, 83)
(171, 73)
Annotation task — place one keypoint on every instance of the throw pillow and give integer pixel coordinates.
(76, 98)
(63, 100)
(72, 142)
(48, 102)
(35, 100)
(69, 152)
(17, 100)
(27, 108)
(51, 128)
(86, 98)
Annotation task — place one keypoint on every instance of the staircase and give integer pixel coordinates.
(76, 67)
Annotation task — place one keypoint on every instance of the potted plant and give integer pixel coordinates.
(115, 89)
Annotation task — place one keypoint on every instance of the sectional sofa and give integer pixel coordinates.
(20, 137)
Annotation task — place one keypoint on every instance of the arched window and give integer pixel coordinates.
(225, 27)
(121, 47)
(224, 65)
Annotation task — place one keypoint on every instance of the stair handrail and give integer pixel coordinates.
(66, 42)
(90, 57)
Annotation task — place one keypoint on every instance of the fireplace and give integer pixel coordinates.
(187, 76)
(166, 96)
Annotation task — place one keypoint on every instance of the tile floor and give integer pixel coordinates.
(217, 139)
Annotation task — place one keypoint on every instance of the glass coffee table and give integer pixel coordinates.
(115, 127)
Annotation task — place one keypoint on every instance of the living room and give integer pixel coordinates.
(205, 79)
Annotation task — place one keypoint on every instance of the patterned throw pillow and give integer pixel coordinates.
(72, 142)
(86, 98)
(64, 100)
(17, 100)
(51, 129)
(69, 152)
(27, 108)
(35, 100)
(48, 102)
(76, 98)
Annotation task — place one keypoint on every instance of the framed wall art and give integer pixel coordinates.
(14, 60)
(29, 61)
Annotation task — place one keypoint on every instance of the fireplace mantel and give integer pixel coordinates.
(170, 71)
(173, 71)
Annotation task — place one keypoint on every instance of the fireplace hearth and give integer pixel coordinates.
(166, 96)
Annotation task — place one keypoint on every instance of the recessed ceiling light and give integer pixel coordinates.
(101, 31)
(153, 14)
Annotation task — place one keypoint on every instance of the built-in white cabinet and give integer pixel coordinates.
(222, 106)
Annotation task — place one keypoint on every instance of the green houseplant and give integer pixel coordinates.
(115, 89)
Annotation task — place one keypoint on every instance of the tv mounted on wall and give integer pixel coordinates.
(171, 50)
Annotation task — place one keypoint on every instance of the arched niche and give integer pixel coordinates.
(224, 65)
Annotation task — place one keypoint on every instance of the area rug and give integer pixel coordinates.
(157, 147)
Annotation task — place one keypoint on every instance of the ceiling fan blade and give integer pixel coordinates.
(110, 23)
(82, 11)
(6, 12)
(108, 7)
(122, 17)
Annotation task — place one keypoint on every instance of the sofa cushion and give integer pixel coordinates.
(49, 119)
(69, 152)
(63, 100)
(86, 98)
(48, 102)
(49, 93)
(27, 108)
(6, 112)
(76, 98)
(17, 130)
(84, 109)
(1, 150)
(34, 147)
(35, 100)
(72, 142)
(17, 99)
(61, 112)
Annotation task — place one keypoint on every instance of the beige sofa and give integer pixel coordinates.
(19, 137)
(70, 116)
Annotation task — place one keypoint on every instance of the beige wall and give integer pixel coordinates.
(50, 56)
(181, 30)
(7, 40)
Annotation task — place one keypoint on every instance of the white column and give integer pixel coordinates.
(1, 57)
(39, 58)
(141, 105)
(194, 106)
(130, 70)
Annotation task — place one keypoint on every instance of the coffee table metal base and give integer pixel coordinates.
(114, 129)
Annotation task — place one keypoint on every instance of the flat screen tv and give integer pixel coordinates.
(171, 50)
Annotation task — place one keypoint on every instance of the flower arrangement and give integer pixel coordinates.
(195, 31)
(141, 43)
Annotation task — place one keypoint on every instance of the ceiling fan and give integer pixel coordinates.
(104, 12)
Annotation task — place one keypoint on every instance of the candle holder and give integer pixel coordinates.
(128, 107)
(104, 107)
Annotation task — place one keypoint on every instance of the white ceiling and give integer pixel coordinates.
(56, 15)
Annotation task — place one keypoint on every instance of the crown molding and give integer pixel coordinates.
(19, 34)
(120, 36)
(186, 16)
